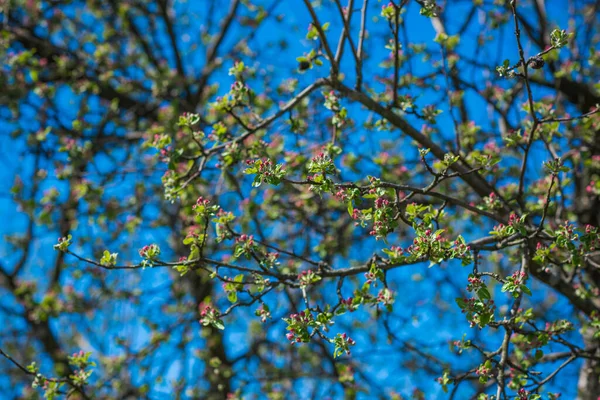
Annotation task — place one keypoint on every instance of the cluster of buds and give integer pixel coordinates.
(193, 231)
(379, 228)
(70, 144)
(221, 222)
(383, 215)
(388, 11)
(423, 243)
(541, 254)
(515, 225)
(558, 327)
(348, 339)
(332, 102)
(265, 171)
(237, 69)
(263, 312)
(246, 239)
(79, 354)
(208, 311)
(238, 90)
(306, 278)
(491, 147)
(233, 396)
(298, 327)
(188, 119)
(209, 316)
(523, 394)
(164, 155)
(302, 318)
(381, 202)
(492, 202)
(81, 377)
(462, 251)
(370, 277)
(472, 304)
(385, 297)
(63, 243)
(261, 282)
(484, 370)
(271, 259)
(515, 221)
(518, 277)
(232, 285)
(201, 202)
(149, 252)
(479, 312)
(475, 284)
(342, 344)
(591, 240)
(396, 253)
(526, 343)
(500, 227)
(568, 230)
(204, 210)
(80, 360)
(460, 344)
(321, 163)
(244, 246)
(291, 336)
(160, 141)
(348, 304)
(263, 164)
(589, 229)
(341, 195)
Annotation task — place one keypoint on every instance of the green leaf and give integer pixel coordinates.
(218, 324)
(350, 208)
(539, 354)
(483, 294)
(232, 296)
(194, 253)
(484, 319)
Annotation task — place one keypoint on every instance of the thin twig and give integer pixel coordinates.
(361, 40)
